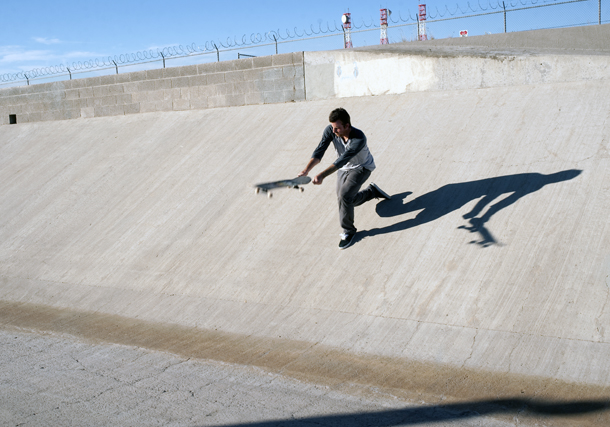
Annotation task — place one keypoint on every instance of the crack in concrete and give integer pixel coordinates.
(599, 326)
(474, 341)
(510, 358)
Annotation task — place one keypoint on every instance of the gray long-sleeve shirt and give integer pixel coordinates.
(351, 154)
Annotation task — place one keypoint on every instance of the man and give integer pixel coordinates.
(354, 165)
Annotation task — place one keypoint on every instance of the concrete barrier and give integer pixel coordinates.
(499, 60)
(260, 80)
(495, 60)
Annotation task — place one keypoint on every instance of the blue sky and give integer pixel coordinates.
(46, 33)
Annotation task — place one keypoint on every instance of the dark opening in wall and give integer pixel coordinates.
(12, 119)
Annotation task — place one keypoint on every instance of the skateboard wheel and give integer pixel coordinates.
(301, 189)
(269, 194)
(257, 190)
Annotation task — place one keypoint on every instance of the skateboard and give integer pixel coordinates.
(296, 183)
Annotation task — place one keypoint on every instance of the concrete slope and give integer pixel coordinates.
(592, 39)
(492, 261)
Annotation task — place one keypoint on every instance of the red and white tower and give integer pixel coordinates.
(422, 23)
(384, 25)
(347, 29)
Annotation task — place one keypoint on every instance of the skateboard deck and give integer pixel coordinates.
(295, 183)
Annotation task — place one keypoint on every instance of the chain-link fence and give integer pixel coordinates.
(495, 16)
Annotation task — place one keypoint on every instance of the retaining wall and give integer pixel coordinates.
(347, 73)
(499, 60)
(260, 80)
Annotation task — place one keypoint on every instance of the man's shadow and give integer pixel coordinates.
(451, 197)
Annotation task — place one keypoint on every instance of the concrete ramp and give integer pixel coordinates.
(487, 274)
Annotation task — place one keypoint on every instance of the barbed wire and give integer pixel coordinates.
(261, 39)
(435, 13)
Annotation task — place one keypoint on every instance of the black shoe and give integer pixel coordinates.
(346, 241)
(378, 192)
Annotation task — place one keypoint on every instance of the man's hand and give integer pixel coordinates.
(320, 177)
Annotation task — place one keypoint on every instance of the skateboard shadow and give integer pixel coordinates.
(451, 197)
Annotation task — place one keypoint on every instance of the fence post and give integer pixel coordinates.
(276, 41)
(163, 56)
(217, 53)
(116, 66)
(504, 6)
(69, 72)
(27, 78)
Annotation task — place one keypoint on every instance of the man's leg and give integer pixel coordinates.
(349, 195)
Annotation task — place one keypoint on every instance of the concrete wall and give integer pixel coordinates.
(496, 60)
(261, 80)
(347, 73)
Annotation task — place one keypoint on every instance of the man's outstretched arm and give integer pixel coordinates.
(310, 165)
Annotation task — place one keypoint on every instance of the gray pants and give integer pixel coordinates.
(349, 195)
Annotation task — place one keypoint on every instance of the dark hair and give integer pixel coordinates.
(339, 114)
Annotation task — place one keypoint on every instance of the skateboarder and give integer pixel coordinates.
(354, 165)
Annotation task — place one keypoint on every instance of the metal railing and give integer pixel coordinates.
(516, 15)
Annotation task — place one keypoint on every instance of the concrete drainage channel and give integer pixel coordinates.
(133, 251)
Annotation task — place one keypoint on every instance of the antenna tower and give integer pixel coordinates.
(384, 25)
(422, 23)
(347, 29)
